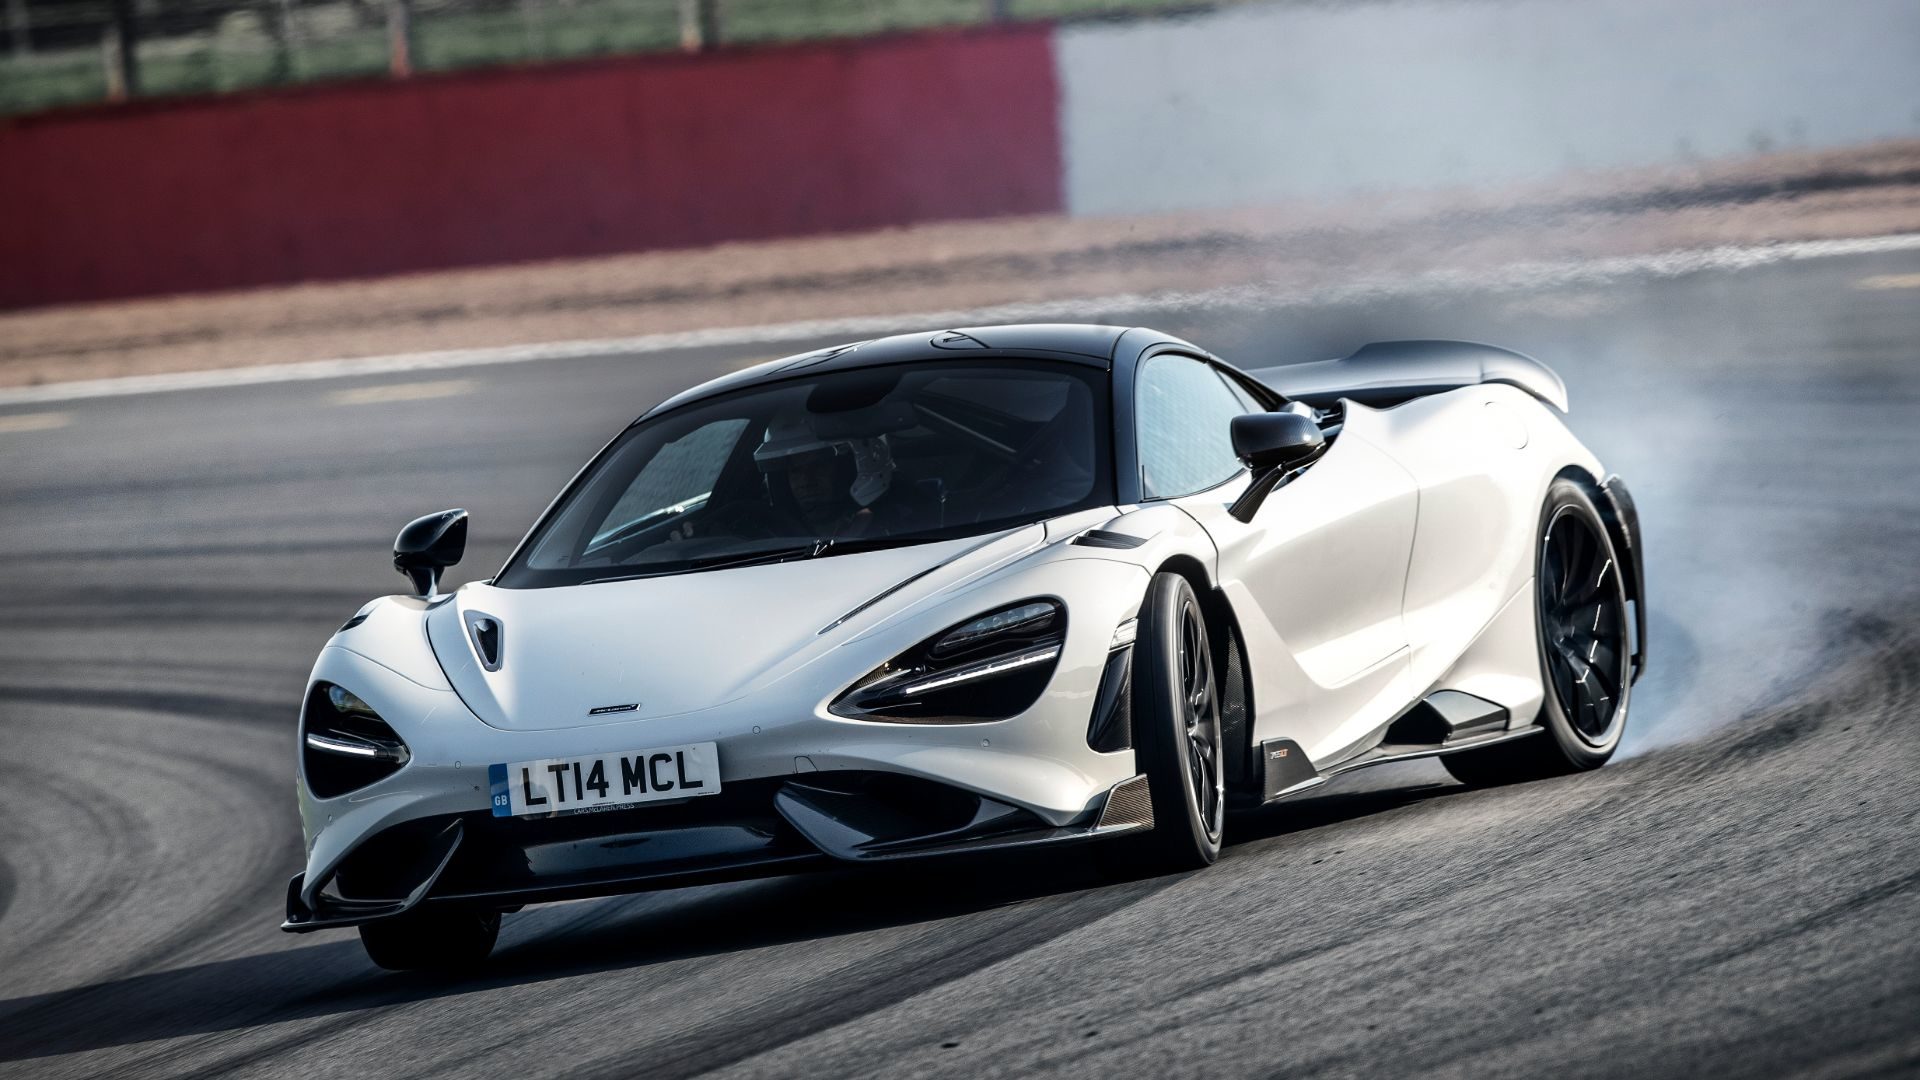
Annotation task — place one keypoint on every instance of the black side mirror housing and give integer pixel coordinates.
(429, 545)
(1272, 445)
(1276, 440)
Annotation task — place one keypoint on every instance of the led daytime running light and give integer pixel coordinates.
(981, 671)
(335, 745)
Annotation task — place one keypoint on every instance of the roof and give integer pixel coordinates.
(1074, 342)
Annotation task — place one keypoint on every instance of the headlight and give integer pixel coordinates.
(344, 745)
(990, 667)
(348, 703)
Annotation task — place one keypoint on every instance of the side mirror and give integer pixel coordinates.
(1272, 445)
(429, 545)
(1276, 440)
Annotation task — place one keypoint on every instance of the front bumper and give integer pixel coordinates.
(753, 829)
(791, 771)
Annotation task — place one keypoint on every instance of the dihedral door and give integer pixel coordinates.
(1317, 577)
(1320, 571)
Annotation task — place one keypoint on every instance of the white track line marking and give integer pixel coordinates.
(412, 391)
(1514, 277)
(38, 421)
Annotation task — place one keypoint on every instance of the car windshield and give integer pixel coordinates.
(842, 462)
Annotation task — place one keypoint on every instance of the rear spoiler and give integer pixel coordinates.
(1388, 373)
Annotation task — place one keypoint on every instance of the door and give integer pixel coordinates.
(1317, 577)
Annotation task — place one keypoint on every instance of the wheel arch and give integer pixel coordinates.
(1230, 668)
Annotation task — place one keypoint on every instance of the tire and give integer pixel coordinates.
(1581, 638)
(432, 940)
(1176, 734)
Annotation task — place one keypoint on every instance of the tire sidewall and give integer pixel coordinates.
(449, 939)
(1161, 750)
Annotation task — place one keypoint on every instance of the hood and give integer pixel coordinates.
(579, 655)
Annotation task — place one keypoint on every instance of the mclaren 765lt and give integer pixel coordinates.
(963, 591)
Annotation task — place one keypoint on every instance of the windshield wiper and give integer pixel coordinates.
(835, 545)
(714, 562)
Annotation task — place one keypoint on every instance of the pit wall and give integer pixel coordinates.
(507, 165)
(1247, 105)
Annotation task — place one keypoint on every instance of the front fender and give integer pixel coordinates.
(392, 632)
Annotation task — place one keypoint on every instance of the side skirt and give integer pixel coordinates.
(1443, 723)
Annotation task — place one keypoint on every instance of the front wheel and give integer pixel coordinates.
(431, 939)
(1580, 609)
(1176, 732)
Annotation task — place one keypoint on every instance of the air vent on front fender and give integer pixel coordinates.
(488, 639)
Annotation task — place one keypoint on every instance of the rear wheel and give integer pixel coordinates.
(431, 940)
(1580, 606)
(1176, 731)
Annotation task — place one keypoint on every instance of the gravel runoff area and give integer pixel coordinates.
(1867, 191)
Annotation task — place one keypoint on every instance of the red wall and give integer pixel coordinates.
(494, 166)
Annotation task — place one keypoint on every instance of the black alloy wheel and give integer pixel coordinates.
(1583, 621)
(1580, 609)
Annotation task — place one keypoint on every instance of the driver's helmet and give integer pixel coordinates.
(790, 442)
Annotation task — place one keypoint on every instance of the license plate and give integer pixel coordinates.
(604, 781)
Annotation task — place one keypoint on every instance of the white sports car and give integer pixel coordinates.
(969, 590)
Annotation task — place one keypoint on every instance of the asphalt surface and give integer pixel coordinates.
(1737, 894)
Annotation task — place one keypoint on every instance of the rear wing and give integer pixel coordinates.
(1388, 373)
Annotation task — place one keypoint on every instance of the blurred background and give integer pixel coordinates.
(62, 52)
(278, 276)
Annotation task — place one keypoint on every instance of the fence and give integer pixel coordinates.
(64, 52)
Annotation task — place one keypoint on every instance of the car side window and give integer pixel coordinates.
(1182, 409)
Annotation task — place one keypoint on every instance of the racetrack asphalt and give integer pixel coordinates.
(1737, 894)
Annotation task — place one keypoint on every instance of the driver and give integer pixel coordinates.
(831, 485)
